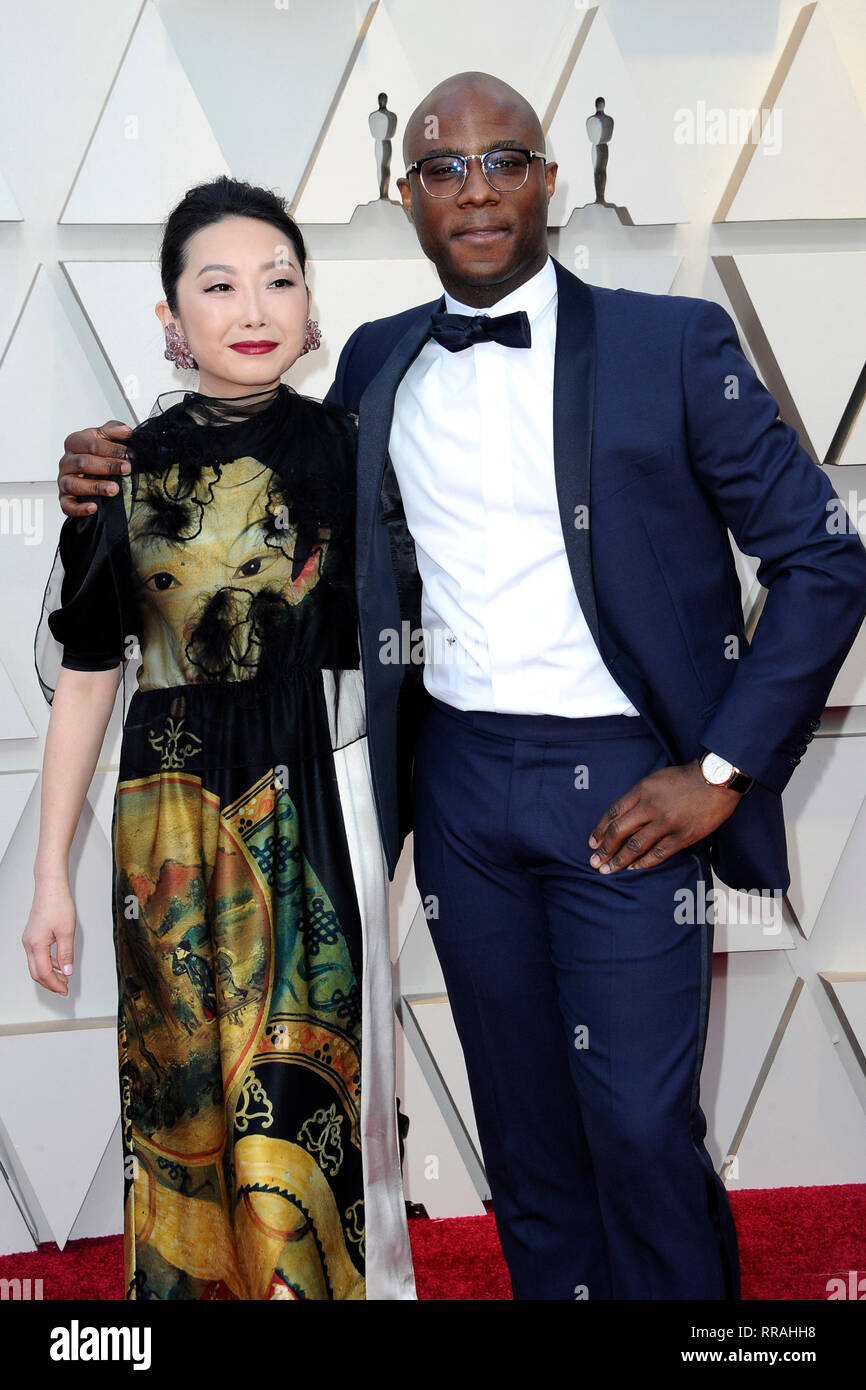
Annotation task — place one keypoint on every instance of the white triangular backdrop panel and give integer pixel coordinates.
(8, 207)
(821, 803)
(134, 341)
(638, 174)
(817, 299)
(787, 1144)
(817, 172)
(152, 140)
(748, 997)
(45, 1091)
(345, 293)
(44, 334)
(340, 179)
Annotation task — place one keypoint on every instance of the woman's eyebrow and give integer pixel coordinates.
(233, 270)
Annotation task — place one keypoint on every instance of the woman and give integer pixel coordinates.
(255, 1025)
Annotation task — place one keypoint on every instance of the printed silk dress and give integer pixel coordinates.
(250, 906)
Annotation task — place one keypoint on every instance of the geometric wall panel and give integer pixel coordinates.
(15, 720)
(812, 308)
(434, 1173)
(45, 1090)
(821, 1138)
(24, 569)
(819, 126)
(44, 334)
(404, 904)
(849, 687)
(638, 176)
(435, 1022)
(8, 206)
(15, 790)
(747, 572)
(152, 140)
(417, 972)
(348, 293)
(14, 1235)
(838, 941)
(848, 991)
(341, 174)
(748, 996)
(101, 1212)
(854, 449)
(648, 274)
(821, 804)
(100, 795)
(600, 250)
(746, 921)
(133, 341)
(428, 1027)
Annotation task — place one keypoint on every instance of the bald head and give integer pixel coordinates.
(483, 240)
(457, 98)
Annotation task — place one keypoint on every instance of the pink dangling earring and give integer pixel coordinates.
(312, 337)
(177, 349)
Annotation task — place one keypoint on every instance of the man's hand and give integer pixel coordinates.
(99, 453)
(661, 814)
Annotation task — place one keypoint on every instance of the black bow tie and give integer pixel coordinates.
(458, 331)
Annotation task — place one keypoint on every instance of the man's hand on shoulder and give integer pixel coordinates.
(90, 457)
(662, 813)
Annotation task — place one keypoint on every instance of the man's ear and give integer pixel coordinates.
(406, 196)
(550, 172)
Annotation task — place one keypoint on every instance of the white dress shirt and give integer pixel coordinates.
(472, 448)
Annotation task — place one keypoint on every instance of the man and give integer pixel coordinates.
(593, 728)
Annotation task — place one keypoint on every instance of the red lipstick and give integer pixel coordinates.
(252, 348)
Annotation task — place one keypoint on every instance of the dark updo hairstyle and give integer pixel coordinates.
(211, 202)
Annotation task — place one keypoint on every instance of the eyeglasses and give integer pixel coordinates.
(443, 175)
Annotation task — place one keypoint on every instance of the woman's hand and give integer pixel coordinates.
(51, 922)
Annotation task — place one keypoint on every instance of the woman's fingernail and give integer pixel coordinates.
(67, 969)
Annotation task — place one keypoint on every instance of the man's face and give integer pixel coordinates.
(479, 239)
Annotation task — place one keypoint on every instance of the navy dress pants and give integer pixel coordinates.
(581, 1002)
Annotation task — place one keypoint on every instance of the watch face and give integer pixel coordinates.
(716, 770)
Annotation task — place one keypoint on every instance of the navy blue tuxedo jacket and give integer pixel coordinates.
(664, 439)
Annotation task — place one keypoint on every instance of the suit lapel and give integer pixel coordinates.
(573, 401)
(375, 414)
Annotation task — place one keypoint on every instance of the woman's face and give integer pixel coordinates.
(242, 305)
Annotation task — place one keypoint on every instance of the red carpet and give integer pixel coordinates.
(792, 1240)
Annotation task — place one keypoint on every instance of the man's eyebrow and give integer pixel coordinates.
(496, 145)
(232, 270)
